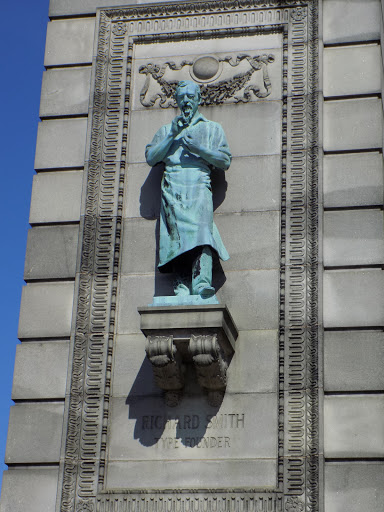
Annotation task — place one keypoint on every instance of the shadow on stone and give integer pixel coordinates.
(218, 276)
(219, 187)
(150, 193)
(164, 282)
(157, 423)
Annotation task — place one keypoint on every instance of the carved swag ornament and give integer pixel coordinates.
(238, 87)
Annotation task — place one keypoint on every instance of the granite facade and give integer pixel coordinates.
(251, 211)
(352, 410)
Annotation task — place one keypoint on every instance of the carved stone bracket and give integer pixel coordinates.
(168, 369)
(210, 364)
(180, 335)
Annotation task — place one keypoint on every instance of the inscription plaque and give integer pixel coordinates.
(242, 431)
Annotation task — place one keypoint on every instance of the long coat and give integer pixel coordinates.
(186, 214)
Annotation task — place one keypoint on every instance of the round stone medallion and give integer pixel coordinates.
(205, 69)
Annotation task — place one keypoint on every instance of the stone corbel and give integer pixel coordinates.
(167, 367)
(204, 336)
(210, 364)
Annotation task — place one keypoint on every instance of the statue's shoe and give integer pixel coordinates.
(181, 290)
(206, 291)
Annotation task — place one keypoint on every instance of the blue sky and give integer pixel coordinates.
(22, 42)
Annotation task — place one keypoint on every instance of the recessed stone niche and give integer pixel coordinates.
(244, 417)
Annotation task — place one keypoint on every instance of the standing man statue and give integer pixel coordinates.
(190, 147)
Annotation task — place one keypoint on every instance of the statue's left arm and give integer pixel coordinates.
(215, 151)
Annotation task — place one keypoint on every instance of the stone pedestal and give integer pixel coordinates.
(200, 335)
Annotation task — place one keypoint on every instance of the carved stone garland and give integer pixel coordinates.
(82, 473)
(215, 93)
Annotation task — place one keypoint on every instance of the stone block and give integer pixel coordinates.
(253, 184)
(34, 433)
(251, 129)
(69, 41)
(29, 490)
(354, 179)
(56, 197)
(139, 253)
(353, 237)
(146, 125)
(353, 361)
(46, 310)
(353, 426)
(51, 252)
(354, 486)
(252, 298)
(237, 473)
(61, 143)
(251, 295)
(239, 436)
(65, 91)
(141, 287)
(352, 70)
(142, 194)
(252, 240)
(67, 7)
(249, 420)
(260, 43)
(353, 124)
(353, 298)
(260, 347)
(233, 191)
(133, 374)
(351, 21)
(40, 371)
(132, 371)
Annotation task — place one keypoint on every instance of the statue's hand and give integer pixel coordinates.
(192, 146)
(176, 126)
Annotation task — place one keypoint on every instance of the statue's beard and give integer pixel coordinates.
(187, 113)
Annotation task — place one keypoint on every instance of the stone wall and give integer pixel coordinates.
(353, 256)
(250, 223)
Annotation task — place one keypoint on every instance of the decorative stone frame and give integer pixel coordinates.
(299, 482)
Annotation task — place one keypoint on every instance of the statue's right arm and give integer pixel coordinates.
(157, 150)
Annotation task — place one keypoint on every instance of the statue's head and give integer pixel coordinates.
(187, 97)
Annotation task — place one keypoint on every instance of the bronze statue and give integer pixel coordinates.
(190, 147)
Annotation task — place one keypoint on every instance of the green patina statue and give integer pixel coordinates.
(190, 147)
